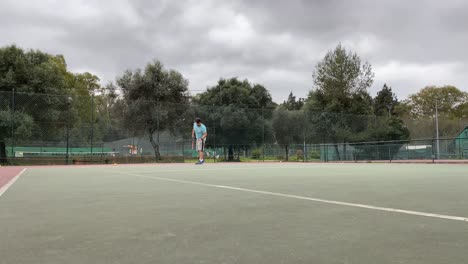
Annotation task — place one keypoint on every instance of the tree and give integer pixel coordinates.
(339, 77)
(418, 111)
(462, 110)
(386, 126)
(32, 71)
(388, 134)
(448, 99)
(385, 102)
(35, 83)
(13, 125)
(288, 127)
(86, 89)
(110, 114)
(89, 82)
(239, 112)
(340, 105)
(156, 100)
(292, 103)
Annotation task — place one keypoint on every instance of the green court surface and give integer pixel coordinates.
(237, 213)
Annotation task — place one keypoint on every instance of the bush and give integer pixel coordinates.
(314, 155)
(300, 154)
(256, 153)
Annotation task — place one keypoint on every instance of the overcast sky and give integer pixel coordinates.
(410, 44)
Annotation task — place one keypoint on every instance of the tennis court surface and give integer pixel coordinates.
(235, 213)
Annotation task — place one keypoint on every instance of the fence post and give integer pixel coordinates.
(102, 151)
(214, 132)
(407, 150)
(389, 154)
(263, 134)
(158, 110)
(183, 150)
(326, 152)
(69, 101)
(92, 123)
(460, 148)
(13, 106)
(433, 155)
(304, 155)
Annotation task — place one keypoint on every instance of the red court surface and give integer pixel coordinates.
(7, 174)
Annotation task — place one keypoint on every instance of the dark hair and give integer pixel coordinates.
(198, 120)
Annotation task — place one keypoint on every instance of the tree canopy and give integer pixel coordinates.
(239, 112)
(156, 100)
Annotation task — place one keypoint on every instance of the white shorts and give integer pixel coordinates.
(201, 144)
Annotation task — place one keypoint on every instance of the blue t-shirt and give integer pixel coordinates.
(199, 130)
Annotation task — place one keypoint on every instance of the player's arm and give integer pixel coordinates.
(205, 133)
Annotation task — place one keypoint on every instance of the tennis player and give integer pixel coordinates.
(199, 133)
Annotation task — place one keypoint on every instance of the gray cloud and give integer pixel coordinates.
(410, 44)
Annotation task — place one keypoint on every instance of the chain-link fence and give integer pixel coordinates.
(83, 129)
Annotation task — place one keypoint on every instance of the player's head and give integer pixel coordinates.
(198, 121)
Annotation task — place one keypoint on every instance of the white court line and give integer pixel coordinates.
(10, 183)
(192, 169)
(214, 167)
(371, 207)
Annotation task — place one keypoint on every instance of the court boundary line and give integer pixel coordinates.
(214, 169)
(240, 167)
(241, 164)
(300, 197)
(5, 187)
